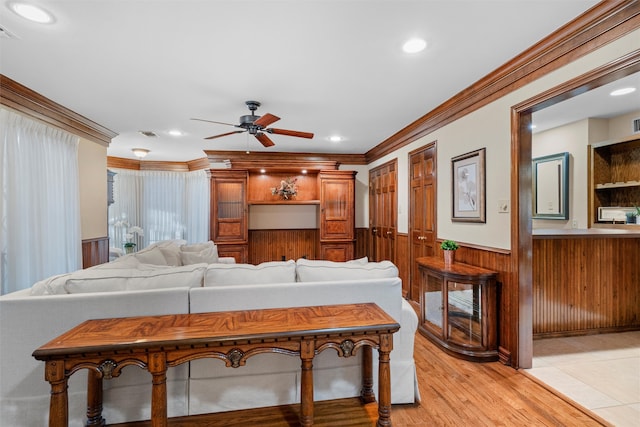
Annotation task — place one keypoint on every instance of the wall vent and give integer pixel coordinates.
(147, 133)
(636, 125)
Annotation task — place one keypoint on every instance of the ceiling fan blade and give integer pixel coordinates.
(266, 120)
(264, 139)
(290, 133)
(224, 134)
(212, 121)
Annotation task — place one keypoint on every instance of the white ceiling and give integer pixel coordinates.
(323, 66)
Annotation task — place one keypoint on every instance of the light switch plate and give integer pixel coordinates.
(503, 206)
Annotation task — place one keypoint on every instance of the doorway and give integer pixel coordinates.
(383, 212)
(521, 191)
(422, 211)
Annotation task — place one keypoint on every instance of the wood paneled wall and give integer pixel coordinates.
(362, 243)
(272, 245)
(585, 285)
(95, 251)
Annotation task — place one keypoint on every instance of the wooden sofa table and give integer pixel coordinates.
(156, 343)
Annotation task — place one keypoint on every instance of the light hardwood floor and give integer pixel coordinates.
(454, 393)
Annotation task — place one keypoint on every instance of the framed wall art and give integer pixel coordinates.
(468, 187)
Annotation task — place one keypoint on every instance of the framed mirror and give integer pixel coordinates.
(551, 186)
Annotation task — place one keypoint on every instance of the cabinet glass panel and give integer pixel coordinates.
(433, 302)
(230, 200)
(464, 313)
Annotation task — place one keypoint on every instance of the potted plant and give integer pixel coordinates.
(637, 214)
(631, 217)
(449, 247)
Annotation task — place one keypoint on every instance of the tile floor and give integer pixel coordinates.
(600, 372)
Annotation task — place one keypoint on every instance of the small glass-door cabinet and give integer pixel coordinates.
(458, 308)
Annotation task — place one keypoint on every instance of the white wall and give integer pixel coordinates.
(92, 169)
(489, 127)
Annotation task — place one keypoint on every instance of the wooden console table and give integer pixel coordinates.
(458, 308)
(156, 343)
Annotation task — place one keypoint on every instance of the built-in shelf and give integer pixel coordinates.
(284, 202)
(608, 185)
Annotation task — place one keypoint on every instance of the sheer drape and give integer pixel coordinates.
(167, 205)
(39, 202)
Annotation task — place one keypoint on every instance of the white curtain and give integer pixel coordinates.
(166, 205)
(40, 231)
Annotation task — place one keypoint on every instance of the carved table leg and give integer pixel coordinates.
(366, 394)
(158, 368)
(58, 405)
(94, 400)
(307, 351)
(384, 381)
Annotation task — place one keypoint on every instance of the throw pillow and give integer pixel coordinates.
(153, 256)
(209, 255)
(197, 247)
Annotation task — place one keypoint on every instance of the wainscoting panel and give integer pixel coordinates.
(402, 254)
(362, 243)
(585, 285)
(273, 245)
(95, 251)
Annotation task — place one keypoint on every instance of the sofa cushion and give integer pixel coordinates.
(135, 279)
(323, 271)
(53, 285)
(247, 274)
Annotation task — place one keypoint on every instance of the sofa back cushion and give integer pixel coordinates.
(109, 280)
(323, 271)
(247, 274)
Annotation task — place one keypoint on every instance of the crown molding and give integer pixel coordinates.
(602, 24)
(30, 103)
(192, 165)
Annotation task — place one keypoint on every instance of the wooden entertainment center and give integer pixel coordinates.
(246, 184)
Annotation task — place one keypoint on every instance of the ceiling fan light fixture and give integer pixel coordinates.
(414, 45)
(140, 153)
(31, 12)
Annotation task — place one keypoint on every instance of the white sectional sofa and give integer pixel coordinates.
(127, 287)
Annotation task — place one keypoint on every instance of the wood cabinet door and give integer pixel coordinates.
(337, 199)
(338, 252)
(229, 206)
(422, 219)
(383, 212)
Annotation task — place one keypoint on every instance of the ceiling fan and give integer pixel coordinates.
(257, 126)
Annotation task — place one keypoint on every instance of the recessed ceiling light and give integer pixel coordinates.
(414, 45)
(175, 132)
(304, 171)
(335, 138)
(623, 91)
(32, 12)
